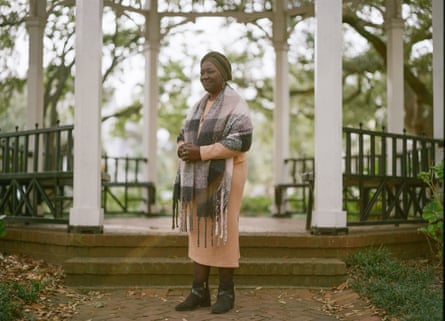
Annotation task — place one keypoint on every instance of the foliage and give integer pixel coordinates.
(12, 17)
(433, 211)
(14, 295)
(2, 226)
(405, 292)
(368, 20)
(255, 206)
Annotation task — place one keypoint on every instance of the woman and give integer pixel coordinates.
(212, 148)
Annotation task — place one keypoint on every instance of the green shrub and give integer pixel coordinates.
(256, 206)
(433, 211)
(2, 226)
(408, 293)
(14, 295)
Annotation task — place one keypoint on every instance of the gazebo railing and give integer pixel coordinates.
(36, 177)
(381, 175)
(36, 169)
(380, 178)
(126, 191)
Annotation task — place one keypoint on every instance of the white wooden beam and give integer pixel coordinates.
(281, 90)
(438, 69)
(35, 24)
(87, 214)
(394, 67)
(151, 92)
(328, 214)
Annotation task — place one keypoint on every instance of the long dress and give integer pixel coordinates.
(219, 253)
(228, 254)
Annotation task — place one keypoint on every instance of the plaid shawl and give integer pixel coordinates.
(208, 182)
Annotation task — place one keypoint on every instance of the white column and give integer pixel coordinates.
(87, 214)
(438, 105)
(328, 214)
(35, 24)
(281, 91)
(394, 68)
(151, 92)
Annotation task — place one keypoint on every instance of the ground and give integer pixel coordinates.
(58, 302)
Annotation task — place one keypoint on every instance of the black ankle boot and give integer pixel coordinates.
(199, 297)
(224, 301)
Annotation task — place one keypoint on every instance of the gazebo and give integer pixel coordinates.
(87, 213)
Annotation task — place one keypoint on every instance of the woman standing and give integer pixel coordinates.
(212, 148)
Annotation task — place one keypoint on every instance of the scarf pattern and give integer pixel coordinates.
(207, 183)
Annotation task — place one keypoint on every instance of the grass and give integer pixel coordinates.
(407, 292)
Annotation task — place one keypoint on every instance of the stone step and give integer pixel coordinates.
(115, 272)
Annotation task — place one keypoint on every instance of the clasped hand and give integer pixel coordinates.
(189, 152)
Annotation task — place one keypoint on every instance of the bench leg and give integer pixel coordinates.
(278, 200)
(309, 208)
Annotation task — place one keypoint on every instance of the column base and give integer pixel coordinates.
(329, 230)
(86, 220)
(85, 229)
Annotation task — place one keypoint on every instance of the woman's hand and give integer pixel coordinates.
(189, 152)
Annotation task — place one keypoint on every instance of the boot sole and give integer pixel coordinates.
(194, 308)
(221, 312)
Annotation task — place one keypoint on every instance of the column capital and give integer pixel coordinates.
(394, 23)
(151, 46)
(280, 45)
(35, 22)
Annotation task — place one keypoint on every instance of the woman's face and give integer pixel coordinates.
(211, 78)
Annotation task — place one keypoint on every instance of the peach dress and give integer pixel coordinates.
(217, 253)
(227, 254)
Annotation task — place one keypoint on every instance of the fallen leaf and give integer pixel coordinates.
(99, 304)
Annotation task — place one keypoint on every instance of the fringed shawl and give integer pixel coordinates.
(207, 183)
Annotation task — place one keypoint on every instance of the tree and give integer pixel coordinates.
(418, 65)
(12, 18)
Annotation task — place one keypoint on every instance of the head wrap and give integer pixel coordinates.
(221, 63)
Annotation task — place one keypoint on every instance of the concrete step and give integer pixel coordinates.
(93, 272)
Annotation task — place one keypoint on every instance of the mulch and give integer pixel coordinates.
(55, 300)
